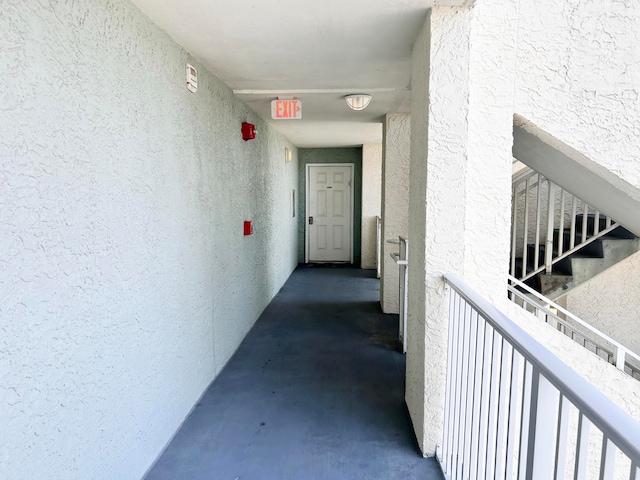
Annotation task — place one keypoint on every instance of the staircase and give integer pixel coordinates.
(558, 240)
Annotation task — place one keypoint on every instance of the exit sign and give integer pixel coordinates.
(286, 109)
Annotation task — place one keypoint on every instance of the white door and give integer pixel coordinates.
(329, 213)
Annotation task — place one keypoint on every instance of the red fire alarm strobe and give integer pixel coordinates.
(248, 131)
(248, 227)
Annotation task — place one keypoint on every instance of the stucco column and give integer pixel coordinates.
(371, 195)
(396, 148)
(462, 108)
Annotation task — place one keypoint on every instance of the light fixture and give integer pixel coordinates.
(358, 101)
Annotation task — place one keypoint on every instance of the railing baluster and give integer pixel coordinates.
(585, 221)
(561, 438)
(513, 413)
(525, 228)
(608, 459)
(596, 223)
(551, 214)
(582, 449)
(620, 358)
(634, 473)
(541, 434)
(464, 375)
(459, 329)
(514, 231)
(503, 412)
(536, 244)
(524, 422)
(477, 396)
(485, 402)
(563, 196)
(574, 213)
(493, 404)
(471, 379)
(446, 444)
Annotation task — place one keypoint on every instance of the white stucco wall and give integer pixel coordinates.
(126, 280)
(460, 185)
(396, 152)
(371, 197)
(578, 77)
(610, 302)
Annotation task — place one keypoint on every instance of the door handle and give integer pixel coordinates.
(310, 220)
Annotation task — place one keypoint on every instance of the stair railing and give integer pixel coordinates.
(513, 409)
(539, 209)
(574, 327)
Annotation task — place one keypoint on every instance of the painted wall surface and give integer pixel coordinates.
(460, 201)
(371, 198)
(396, 151)
(610, 302)
(578, 77)
(126, 280)
(331, 155)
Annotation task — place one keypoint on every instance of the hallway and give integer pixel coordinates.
(315, 391)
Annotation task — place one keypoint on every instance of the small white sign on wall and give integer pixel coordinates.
(192, 79)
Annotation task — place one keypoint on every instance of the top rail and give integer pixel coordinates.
(610, 419)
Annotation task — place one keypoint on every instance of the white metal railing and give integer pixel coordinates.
(514, 410)
(402, 259)
(378, 245)
(542, 209)
(580, 331)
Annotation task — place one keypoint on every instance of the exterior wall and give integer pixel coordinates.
(460, 185)
(371, 198)
(578, 77)
(396, 151)
(126, 280)
(610, 302)
(330, 155)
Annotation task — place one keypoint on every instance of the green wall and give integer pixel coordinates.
(330, 155)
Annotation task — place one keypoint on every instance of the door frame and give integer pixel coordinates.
(306, 202)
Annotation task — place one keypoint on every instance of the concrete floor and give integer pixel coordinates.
(315, 391)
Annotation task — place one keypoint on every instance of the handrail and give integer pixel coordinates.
(620, 353)
(615, 424)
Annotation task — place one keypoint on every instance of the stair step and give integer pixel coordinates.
(619, 232)
(553, 282)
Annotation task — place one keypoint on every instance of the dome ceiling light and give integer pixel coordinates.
(358, 101)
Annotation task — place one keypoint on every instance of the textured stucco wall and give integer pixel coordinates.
(371, 197)
(460, 184)
(126, 281)
(331, 155)
(396, 151)
(578, 77)
(610, 302)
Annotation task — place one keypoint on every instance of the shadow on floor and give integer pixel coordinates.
(315, 391)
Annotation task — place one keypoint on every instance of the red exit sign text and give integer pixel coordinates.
(286, 109)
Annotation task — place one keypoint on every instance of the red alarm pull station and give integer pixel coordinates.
(248, 131)
(248, 228)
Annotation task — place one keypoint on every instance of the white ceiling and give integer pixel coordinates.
(317, 51)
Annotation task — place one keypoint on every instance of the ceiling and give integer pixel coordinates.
(316, 51)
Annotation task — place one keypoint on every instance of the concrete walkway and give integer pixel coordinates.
(315, 391)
